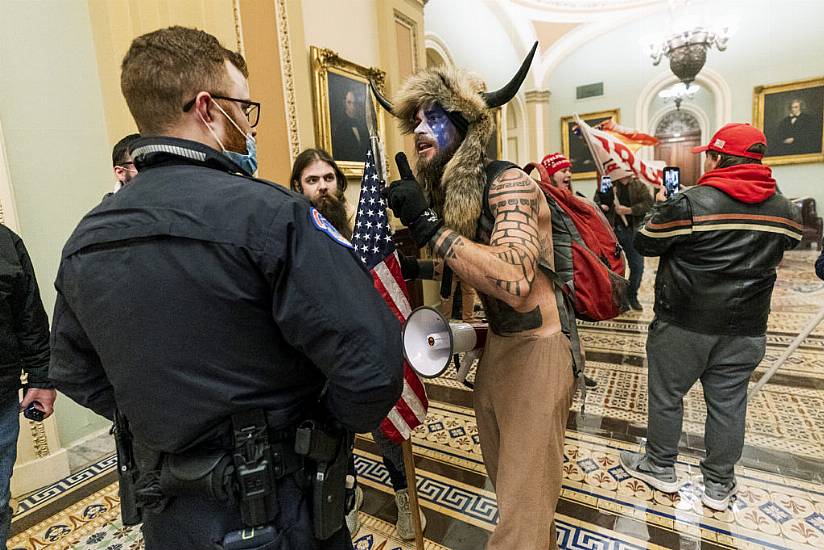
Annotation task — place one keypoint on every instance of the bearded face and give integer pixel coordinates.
(333, 208)
(319, 184)
(436, 140)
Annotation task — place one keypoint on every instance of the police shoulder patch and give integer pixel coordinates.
(322, 224)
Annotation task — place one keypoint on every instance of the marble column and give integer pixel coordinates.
(538, 127)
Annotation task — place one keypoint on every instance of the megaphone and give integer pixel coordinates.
(430, 341)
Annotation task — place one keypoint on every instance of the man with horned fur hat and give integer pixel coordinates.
(524, 384)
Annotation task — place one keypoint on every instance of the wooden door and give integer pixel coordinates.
(677, 151)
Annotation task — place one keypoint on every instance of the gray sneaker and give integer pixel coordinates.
(717, 495)
(637, 465)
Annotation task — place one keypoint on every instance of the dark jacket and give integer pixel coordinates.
(718, 258)
(635, 195)
(197, 292)
(24, 327)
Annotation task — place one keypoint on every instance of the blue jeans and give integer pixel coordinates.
(9, 428)
(634, 259)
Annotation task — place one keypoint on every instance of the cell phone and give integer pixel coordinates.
(33, 413)
(606, 184)
(672, 180)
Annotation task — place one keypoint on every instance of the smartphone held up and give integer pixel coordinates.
(672, 180)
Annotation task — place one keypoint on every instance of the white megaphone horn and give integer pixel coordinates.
(430, 341)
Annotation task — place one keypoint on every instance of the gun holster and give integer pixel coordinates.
(206, 475)
(254, 468)
(130, 510)
(328, 451)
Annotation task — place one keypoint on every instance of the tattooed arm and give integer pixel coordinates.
(506, 268)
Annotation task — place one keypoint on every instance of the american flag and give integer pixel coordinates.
(373, 243)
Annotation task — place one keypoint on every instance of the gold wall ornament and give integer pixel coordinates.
(576, 149)
(39, 440)
(238, 27)
(328, 67)
(772, 114)
(287, 73)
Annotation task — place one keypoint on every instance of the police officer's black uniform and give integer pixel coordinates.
(196, 293)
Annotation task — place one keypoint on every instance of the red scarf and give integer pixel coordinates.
(749, 183)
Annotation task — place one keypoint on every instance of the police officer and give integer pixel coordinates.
(198, 296)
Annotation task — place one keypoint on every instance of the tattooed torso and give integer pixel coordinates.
(517, 295)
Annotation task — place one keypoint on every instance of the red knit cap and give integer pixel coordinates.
(555, 162)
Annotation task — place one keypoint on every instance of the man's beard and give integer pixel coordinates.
(430, 173)
(333, 209)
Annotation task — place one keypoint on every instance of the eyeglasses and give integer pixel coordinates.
(251, 109)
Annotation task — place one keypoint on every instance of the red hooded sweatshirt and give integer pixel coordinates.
(749, 183)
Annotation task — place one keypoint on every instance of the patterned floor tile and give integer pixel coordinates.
(770, 510)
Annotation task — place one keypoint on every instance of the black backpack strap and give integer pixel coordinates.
(493, 170)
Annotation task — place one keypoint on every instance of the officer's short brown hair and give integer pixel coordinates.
(166, 68)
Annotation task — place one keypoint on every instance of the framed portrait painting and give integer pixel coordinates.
(341, 91)
(575, 148)
(791, 115)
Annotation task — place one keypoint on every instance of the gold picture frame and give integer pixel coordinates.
(576, 150)
(338, 130)
(791, 140)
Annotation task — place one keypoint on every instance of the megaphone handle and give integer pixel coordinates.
(446, 282)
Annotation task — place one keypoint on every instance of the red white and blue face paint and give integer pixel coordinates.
(434, 131)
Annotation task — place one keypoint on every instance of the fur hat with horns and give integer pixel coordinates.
(458, 92)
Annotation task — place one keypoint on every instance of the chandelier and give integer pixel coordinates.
(679, 93)
(687, 51)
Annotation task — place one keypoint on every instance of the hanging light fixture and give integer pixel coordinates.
(678, 93)
(687, 51)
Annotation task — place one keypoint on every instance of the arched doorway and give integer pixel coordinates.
(678, 132)
(434, 58)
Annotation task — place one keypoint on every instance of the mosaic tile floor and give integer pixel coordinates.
(780, 503)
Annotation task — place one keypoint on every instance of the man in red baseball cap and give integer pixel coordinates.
(559, 169)
(719, 242)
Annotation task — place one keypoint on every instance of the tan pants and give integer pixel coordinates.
(523, 391)
(468, 297)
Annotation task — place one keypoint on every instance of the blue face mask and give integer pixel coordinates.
(247, 162)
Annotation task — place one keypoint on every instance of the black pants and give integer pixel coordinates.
(195, 523)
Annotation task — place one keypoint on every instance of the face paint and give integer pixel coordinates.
(434, 133)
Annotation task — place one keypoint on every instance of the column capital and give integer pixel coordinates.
(537, 96)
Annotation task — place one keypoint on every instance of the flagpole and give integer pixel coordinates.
(412, 491)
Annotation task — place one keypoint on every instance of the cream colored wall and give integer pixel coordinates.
(349, 27)
(115, 23)
(61, 110)
(56, 141)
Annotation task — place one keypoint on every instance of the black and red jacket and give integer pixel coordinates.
(720, 243)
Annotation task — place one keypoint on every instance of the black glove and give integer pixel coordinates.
(407, 202)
